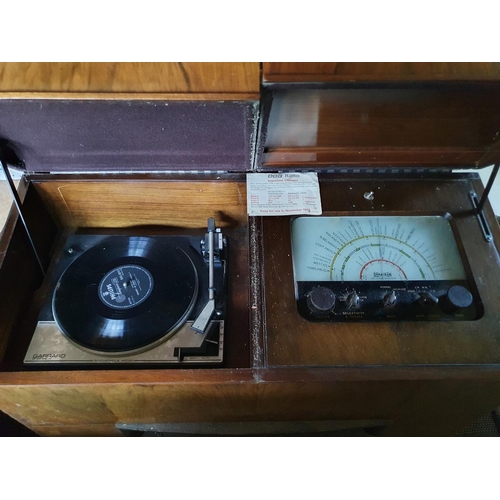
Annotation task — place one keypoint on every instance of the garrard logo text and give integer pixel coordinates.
(49, 356)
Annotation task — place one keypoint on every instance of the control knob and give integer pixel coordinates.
(389, 299)
(352, 300)
(321, 300)
(458, 297)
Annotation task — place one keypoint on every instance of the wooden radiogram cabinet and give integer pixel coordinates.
(157, 149)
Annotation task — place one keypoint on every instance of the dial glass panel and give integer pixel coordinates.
(391, 248)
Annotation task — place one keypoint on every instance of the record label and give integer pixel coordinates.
(125, 287)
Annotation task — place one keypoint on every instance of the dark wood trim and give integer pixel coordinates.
(437, 158)
(224, 376)
(379, 71)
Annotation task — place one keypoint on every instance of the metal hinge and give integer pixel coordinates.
(478, 204)
(4, 157)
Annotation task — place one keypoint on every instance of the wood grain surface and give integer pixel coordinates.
(378, 71)
(438, 400)
(292, 340)
(415, 126)
(128, 77)
(125, 203)
(91, 403)
(305, 373)
(136, 96)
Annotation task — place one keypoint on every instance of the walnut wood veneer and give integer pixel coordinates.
(134, 80)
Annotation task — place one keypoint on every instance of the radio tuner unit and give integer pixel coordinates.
(380, 268)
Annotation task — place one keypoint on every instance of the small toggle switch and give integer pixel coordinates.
(427, 299)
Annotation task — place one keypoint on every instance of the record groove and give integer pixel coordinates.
(124, 294)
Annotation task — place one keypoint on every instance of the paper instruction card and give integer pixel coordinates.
(283, 194)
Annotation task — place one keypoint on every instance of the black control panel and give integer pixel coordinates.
(331, 301)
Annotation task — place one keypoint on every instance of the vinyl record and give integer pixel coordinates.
(125, 293)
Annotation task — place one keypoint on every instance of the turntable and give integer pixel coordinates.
(135, 299)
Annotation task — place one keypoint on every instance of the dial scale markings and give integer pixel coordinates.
(375, 248)
(381, 268)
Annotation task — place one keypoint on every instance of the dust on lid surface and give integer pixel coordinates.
(114, 135)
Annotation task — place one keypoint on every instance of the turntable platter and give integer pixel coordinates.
(125, 294)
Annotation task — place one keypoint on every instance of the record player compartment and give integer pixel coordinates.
(141, 206)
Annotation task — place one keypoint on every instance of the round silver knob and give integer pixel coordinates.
(352, 300)
(389, 299)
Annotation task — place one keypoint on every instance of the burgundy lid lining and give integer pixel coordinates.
(127, 136)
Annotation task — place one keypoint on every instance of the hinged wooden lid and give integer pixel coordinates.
(87, 117)
(418, 125)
